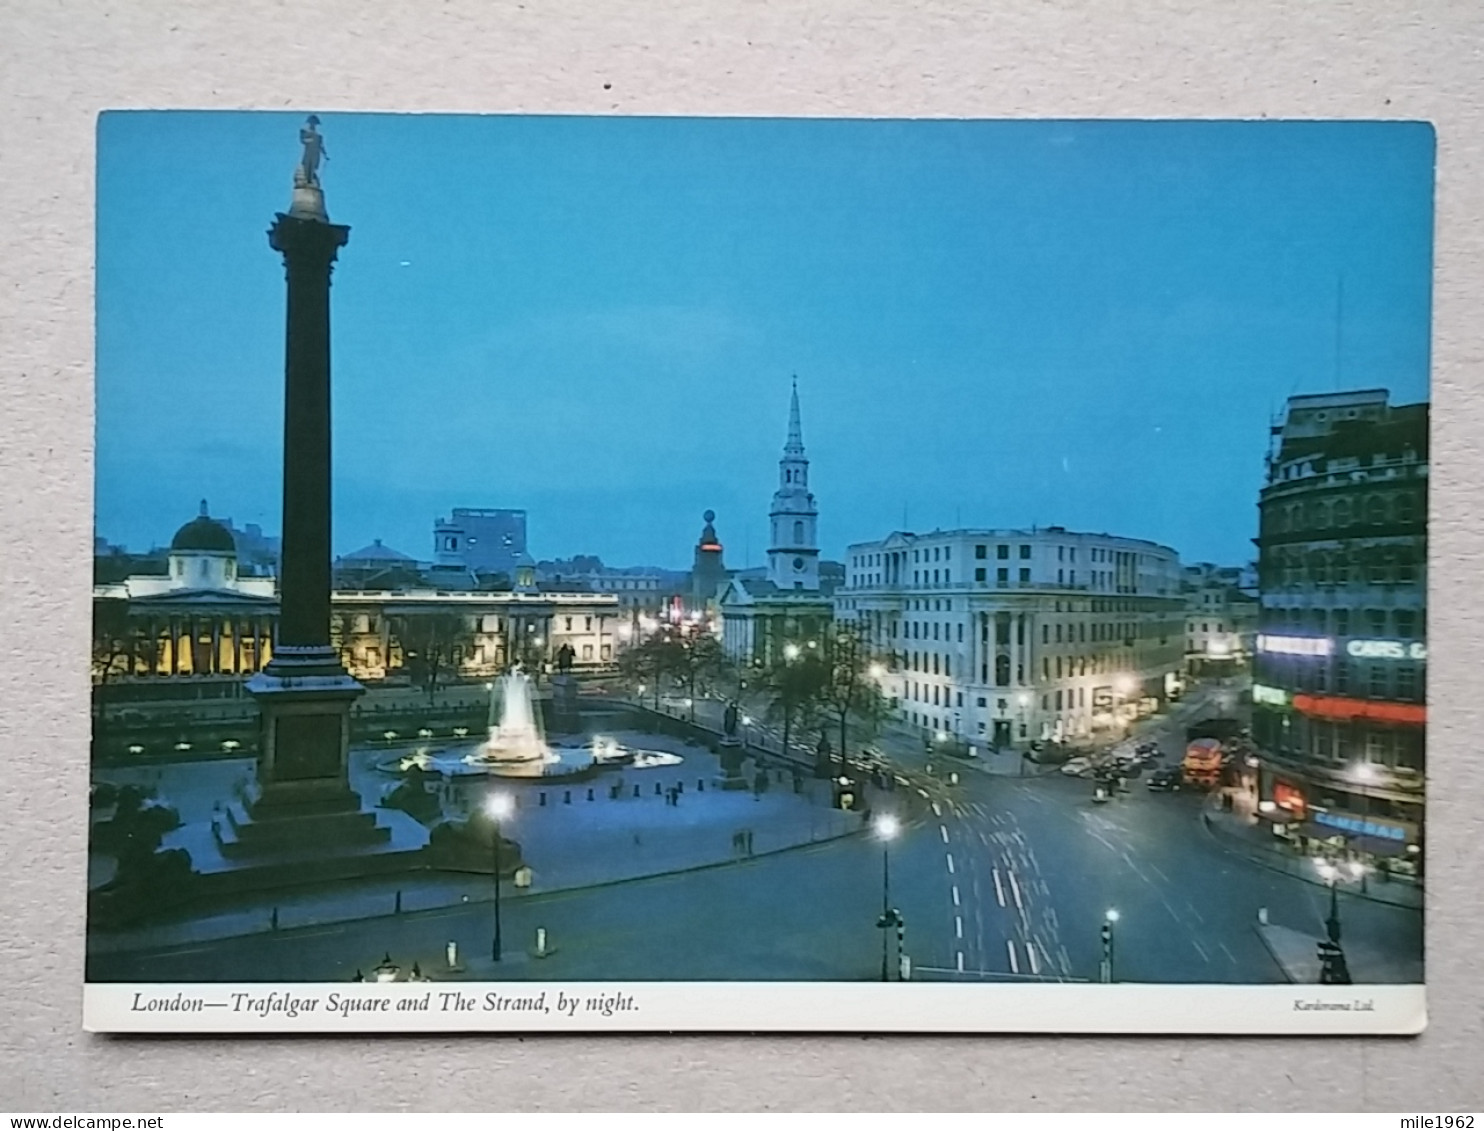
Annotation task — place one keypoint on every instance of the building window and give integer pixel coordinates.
(1406, 682)
(1025, 552)
(1025, 576)
(569, 624)
(1002, 577)
(981, 552)
(1378, 681)
(979, 573)
(1002, 552)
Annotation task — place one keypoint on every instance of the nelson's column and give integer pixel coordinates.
(303, 798)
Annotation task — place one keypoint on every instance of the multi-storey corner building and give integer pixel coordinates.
(1004, 637)
(1340, 682)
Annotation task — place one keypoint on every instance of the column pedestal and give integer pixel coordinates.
(302, 799)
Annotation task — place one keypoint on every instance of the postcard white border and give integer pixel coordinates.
(797, 1007)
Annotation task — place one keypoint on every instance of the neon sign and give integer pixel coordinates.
(1274, 695)
(1341, 710)
(1358, 826)
(1296, 645)
(1386, 650)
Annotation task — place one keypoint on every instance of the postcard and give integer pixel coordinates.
(576, 573)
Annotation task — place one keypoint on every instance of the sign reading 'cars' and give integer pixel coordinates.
(1386, 650)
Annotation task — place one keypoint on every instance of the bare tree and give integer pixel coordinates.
(794, 686)
(114, 635)
(429, 642)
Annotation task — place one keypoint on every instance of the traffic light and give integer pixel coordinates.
(1332, 968)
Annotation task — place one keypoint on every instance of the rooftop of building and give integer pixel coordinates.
(204, 534)
(375, 553)
(1006, 535)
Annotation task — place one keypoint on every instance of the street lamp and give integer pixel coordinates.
(1110, 917)
(498, 806)
(1333, 970)
(790, 651)
(877, 671)
(1329, 872)
(887, 827)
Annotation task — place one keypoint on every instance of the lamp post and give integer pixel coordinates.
(498, 807)
(887, 827)
(1110, 917)
(1333, 970)
(1364, 774)
(1329, 872)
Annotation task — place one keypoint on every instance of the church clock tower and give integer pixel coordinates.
(793, 553)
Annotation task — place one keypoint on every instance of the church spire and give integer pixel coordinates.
(793, 550)
(794, 446)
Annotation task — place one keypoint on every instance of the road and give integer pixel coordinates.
(996, 877)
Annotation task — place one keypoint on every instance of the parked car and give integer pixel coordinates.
(1077, 766)
(1165, 779)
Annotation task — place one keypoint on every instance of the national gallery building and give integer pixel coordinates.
(195, 630)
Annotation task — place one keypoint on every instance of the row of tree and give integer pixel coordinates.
(811, 685)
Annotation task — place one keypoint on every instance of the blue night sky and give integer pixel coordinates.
(596, 319)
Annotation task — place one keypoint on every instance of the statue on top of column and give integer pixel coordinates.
(314, 150)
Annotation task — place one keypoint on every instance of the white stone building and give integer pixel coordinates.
(1004, 637)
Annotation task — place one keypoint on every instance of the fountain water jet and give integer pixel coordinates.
(514, 733)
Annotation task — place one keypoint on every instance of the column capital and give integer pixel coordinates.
(307, 241)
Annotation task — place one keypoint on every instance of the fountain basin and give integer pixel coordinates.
(559, 761)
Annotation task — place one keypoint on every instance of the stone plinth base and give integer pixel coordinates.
(302, 803)
(732, 755)
(318, 819)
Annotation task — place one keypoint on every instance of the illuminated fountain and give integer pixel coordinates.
(514, 735)
(516, 748)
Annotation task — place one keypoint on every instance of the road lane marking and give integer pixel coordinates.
(960, 962)
(956, 902)
(950, 863)
(1015, 891)
(1030, 952)
(958, 926)
(999, 892)
(1200, 950)
(1228, 953)
(921, 792)
(1046, 958)
(937, 809)
(1014, 964)
(944, 830)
